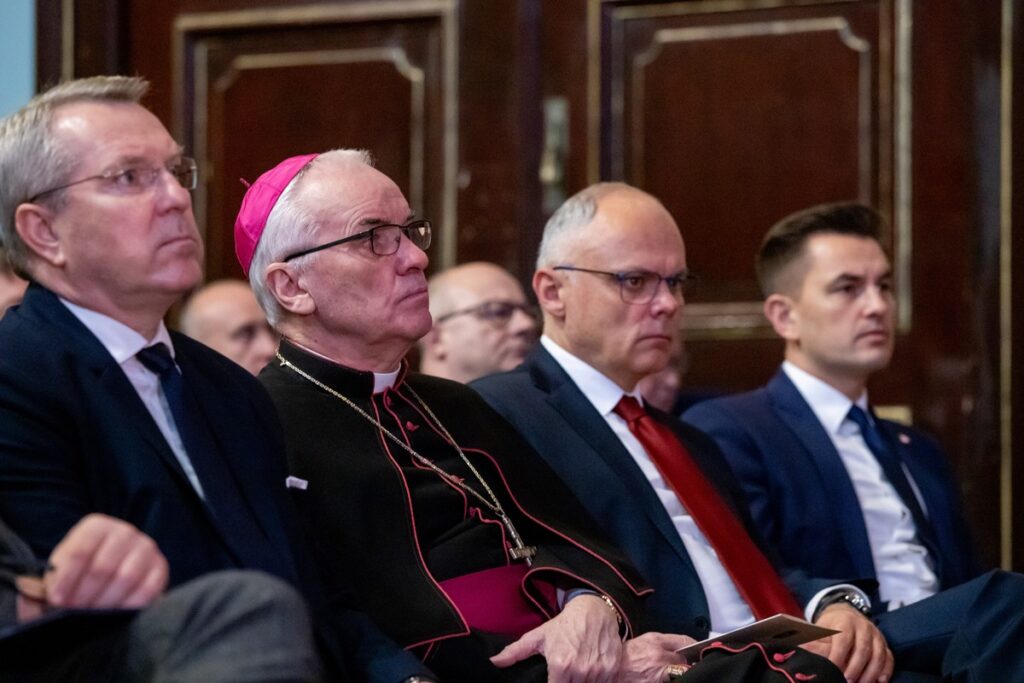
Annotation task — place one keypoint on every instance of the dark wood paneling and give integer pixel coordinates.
(722, 116)
(1014, 197)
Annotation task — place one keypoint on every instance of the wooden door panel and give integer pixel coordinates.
(258, 87)
(722, 116)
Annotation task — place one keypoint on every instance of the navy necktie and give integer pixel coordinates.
(893, 468)
(231, 514)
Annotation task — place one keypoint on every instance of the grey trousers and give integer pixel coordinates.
(226, 627)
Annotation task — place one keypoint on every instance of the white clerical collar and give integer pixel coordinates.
(599, 389)
(829, 405)
(381, 380)
(385, 380)
(120, 341)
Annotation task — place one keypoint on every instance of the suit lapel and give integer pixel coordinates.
(230, 443)
(580, 416)
(44, 306)
(833, 478)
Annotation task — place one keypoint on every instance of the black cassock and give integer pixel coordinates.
(394, 530)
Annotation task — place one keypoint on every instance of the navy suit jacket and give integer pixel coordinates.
(800, 495)
(550, 411)
(76, 438)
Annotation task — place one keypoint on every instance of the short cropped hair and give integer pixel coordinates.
(784, 243)
(576, 212)
(31, 158)
(290, 225)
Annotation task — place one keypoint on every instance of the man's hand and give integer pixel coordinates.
(581, 645)
(105, 562)
(858, 649)
(646, 658)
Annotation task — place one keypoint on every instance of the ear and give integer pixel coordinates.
(283, 282)
(782, 314)
(547, 286)
(34, 223)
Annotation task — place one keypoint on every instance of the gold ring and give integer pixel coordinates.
(675, 671)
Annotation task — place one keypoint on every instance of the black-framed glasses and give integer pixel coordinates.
(138, 178)
(497, 312)
(384, 239)
(641, 286)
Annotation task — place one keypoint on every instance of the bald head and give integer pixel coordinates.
(224, 315)
(610, 279)
(482, 323)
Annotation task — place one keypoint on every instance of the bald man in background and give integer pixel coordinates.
(482, 323)
(224, 315)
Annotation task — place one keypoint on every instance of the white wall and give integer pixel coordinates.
(17, 53)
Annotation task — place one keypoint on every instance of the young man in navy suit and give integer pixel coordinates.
(834, 496)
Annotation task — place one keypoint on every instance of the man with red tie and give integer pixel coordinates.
(611, 278)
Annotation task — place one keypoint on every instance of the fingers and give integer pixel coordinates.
(526, 646)
(859, 649)
(105, 562)
(879, 664)
(666, 641)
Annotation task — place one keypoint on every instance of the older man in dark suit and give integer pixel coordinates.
(101, 408)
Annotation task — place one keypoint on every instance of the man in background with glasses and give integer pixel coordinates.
(482, 323)
(103, 410)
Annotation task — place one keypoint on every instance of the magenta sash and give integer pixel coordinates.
(493, 600)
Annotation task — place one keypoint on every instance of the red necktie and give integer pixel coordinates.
(755, 578)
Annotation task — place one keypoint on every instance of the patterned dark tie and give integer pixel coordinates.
(890, 463)
(228, 508)
(754, 576)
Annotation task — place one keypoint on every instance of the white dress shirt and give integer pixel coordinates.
(727, 608)
(122, 342)
(904, 568)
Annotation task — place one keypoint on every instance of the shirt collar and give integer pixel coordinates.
(120, 341)
(829, 405)
(601, 391)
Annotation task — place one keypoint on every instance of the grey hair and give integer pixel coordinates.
(32, 159)
(291, 226)
(576, 212)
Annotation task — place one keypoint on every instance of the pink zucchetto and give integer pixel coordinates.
(259, 201)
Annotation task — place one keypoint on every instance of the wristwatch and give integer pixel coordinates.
(852, 598)
(419, 679)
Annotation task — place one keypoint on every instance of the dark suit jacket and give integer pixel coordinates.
(547, 407)
(76, 438)
(800, 495)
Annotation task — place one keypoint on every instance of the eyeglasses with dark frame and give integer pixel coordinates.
(641, 286)
(384, 239)
(497, 312)
(139, 178)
